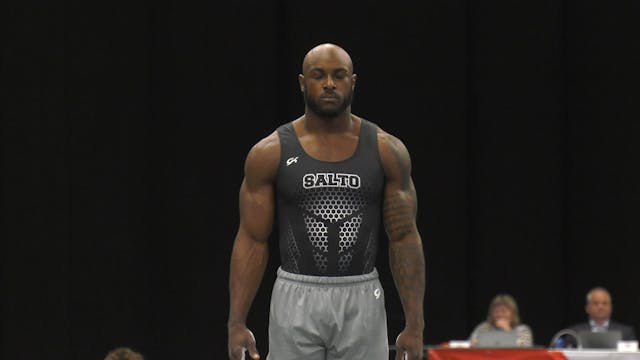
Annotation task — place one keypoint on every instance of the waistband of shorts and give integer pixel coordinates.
(328, 280)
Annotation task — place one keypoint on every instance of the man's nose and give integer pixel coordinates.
(329, 83)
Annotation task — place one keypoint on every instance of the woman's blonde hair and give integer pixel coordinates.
(508, 301)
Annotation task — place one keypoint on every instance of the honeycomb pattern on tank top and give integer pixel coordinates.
(340, 207)
(333, 204)
(348, 236)
(292, 250)
(318, 236)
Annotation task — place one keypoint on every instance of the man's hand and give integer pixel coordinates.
(241, 339)
(409, 342)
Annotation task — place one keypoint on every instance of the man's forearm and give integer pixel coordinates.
(406, 260)
(248, 262)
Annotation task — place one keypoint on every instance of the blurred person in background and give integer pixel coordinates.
(598, 307)
(503, 315)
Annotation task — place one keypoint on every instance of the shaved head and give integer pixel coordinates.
(327, 81)
(325, 51)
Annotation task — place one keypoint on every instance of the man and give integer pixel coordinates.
(599, 308)
(329, 175)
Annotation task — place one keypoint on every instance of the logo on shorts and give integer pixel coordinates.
(376, 293)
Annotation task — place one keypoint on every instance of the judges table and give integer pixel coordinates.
(599, 354)
(526, 354)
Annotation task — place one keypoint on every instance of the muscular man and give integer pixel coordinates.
(330, 176)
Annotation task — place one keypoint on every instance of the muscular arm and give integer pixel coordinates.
(250, 249)
(406, 257)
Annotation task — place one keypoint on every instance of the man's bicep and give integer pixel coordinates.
(399, 211)
(256, 210)
(400, 202)
(257, 190)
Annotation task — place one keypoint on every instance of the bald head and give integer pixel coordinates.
(598, 305)
(327, 81)
(598, 291)
(324, 52)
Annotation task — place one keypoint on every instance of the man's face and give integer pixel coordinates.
(327, 85)
(599, 306)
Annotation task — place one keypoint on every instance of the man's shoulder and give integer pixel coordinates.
(392, 149)
(386, 138)
(267, 144)
(264, 156)
(619, 325)
(628, 331)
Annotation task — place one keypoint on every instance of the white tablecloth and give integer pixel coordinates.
(600, 354)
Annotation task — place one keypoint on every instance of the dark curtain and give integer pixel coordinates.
(125, 126)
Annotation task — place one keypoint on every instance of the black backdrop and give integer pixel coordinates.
(125, 125)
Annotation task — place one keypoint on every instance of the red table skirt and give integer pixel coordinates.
(484, 354)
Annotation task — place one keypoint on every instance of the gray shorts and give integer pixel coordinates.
(327, 318)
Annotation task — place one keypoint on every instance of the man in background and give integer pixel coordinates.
(599, 309)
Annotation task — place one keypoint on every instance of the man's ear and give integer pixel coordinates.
(301, 82)
(354, 77)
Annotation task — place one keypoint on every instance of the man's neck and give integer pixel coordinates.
(341, 123)
(601, 322)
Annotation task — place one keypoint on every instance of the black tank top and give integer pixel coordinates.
(329, 212)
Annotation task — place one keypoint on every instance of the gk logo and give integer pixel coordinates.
(292, 160)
